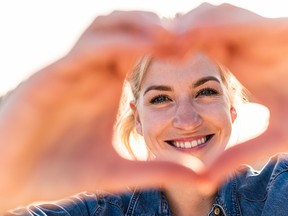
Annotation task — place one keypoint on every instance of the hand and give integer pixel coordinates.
(250, 45)
(56, 128)
(60, 146)
(255, 49)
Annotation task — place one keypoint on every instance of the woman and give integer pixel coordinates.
(60, 146)
(188, 107)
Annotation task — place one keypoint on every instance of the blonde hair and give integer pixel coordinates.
(125, 123)
(125, 126)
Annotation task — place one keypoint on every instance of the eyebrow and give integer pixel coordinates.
(195, 85)
(204, 80)
(158, 88)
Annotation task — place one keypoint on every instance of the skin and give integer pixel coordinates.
(172, 107)
(56, 112)
(60, 143)
(255, 49)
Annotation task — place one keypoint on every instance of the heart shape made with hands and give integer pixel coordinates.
(255, 49)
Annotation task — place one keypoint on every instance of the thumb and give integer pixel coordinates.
(164, 170)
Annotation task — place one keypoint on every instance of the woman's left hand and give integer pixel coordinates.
(255, 49)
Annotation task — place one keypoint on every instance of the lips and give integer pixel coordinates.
(190, 143)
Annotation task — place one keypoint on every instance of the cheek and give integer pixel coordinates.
(218, 115)
(152, 125)
(154, 121)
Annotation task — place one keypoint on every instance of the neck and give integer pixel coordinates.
(188, 200)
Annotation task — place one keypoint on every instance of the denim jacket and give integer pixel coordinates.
(248, 193)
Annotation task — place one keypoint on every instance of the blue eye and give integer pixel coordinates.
(159, 99)
(206, 92)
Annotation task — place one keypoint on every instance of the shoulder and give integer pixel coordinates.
(248, 180)
(261, 191)
(275, 170)
(86, 204)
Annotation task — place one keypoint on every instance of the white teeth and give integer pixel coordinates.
(189, 144)
(194, 143)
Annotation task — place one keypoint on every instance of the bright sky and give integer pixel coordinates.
(35, 33)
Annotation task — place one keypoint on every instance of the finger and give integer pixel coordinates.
(151, 174)
(207, 15)
(164, 171)
(137, 24)
(260, 148)
(228, 32)
(145, 23)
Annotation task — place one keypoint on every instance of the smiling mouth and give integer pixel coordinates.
(190, 144)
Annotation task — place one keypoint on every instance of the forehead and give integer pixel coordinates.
(192, 69)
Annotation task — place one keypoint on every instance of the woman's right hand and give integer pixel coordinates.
(56, 128)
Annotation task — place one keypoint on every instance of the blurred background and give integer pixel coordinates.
(34, 33)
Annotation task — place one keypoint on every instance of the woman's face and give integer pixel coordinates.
(184, 108)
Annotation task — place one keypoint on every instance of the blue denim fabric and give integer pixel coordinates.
(248, 193)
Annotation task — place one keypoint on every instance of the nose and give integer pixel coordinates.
(187, 117)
